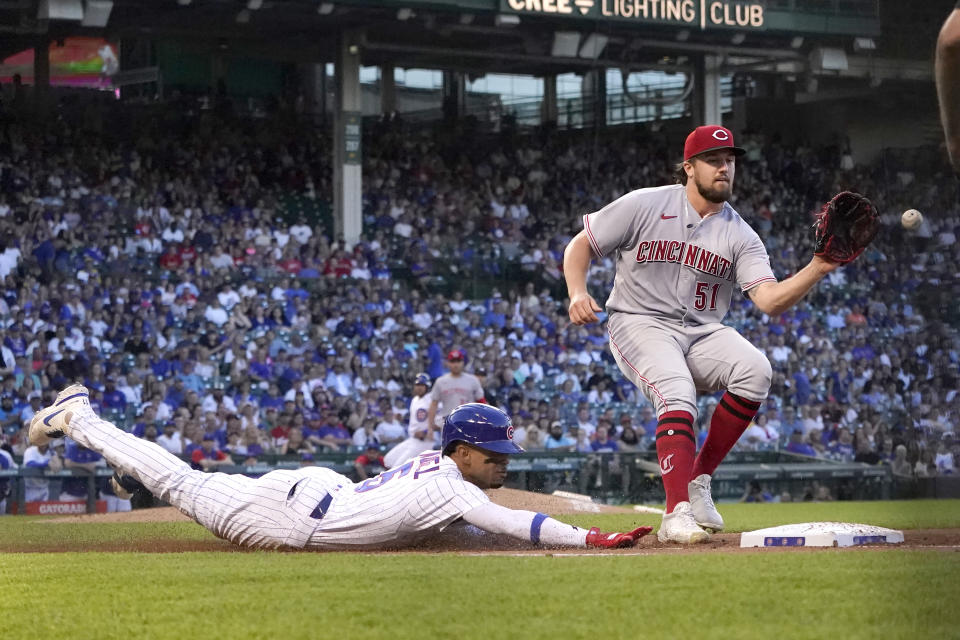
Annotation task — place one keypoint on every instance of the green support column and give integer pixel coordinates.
(347, 187)
(706, 90)
(388, 90)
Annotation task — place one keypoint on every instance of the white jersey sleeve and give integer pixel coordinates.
(526, 525)
(752, 263)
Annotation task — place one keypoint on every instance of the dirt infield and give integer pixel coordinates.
(942, 539)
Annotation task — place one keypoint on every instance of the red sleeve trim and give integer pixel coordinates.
(756, 282)
(593, 241)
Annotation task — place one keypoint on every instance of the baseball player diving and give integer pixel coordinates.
(317, 508)
(679, 251)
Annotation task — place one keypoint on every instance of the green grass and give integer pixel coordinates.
(831, 594)
(40, 534)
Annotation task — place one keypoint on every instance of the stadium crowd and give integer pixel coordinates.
(153, 254)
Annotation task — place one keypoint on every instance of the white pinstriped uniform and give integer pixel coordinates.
(421, 497)
(675, 274)
(411, 446)
(400, 507)
(419, 410)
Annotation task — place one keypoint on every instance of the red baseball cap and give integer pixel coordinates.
(708, 138)
(454, 355)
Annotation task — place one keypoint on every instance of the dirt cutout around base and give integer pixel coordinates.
(934, 539)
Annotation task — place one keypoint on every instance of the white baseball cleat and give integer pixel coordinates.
(68, 392)
(701, 502)
(679, 526)
(51, 423)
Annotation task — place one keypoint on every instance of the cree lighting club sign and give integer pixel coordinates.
(705, 14)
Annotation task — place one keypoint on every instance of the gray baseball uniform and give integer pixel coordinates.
(674, 281)
(450, 392)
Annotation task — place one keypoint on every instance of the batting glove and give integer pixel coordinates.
(597, 538)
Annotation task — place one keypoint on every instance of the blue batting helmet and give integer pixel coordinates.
(480, 425)
(422, 378)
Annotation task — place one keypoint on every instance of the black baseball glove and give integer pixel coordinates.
(845, 226)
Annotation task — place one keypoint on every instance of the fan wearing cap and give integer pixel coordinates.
(452, 390)
(680, 250)
(208, 456)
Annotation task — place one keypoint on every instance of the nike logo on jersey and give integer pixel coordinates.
(664, 216)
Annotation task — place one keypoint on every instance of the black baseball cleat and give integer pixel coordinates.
(125, 486)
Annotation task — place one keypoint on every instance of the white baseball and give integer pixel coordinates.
(911, 219)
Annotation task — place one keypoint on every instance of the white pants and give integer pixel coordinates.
(670, 363)
(405, 450)
(116, 504)
(266, 512)
(37, 493)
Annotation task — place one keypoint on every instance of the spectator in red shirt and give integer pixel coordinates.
(856, 317)
(339, 264)
(187, 253)
(370, 462)
(143, 228)
(171, 259)
(290, 263)
(280, 430)
(208, 457)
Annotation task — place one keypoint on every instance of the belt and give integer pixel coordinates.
(321, 509)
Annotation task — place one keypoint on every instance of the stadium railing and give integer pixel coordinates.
(615, 478)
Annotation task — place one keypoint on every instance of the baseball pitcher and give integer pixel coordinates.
(680, 250)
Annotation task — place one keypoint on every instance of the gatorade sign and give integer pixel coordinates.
(50, 508)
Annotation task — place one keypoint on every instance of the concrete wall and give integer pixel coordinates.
(892, 117)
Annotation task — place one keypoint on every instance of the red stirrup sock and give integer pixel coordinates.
(730, 419)
(676, 446)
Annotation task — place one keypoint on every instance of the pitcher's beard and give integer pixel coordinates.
(717, 196)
